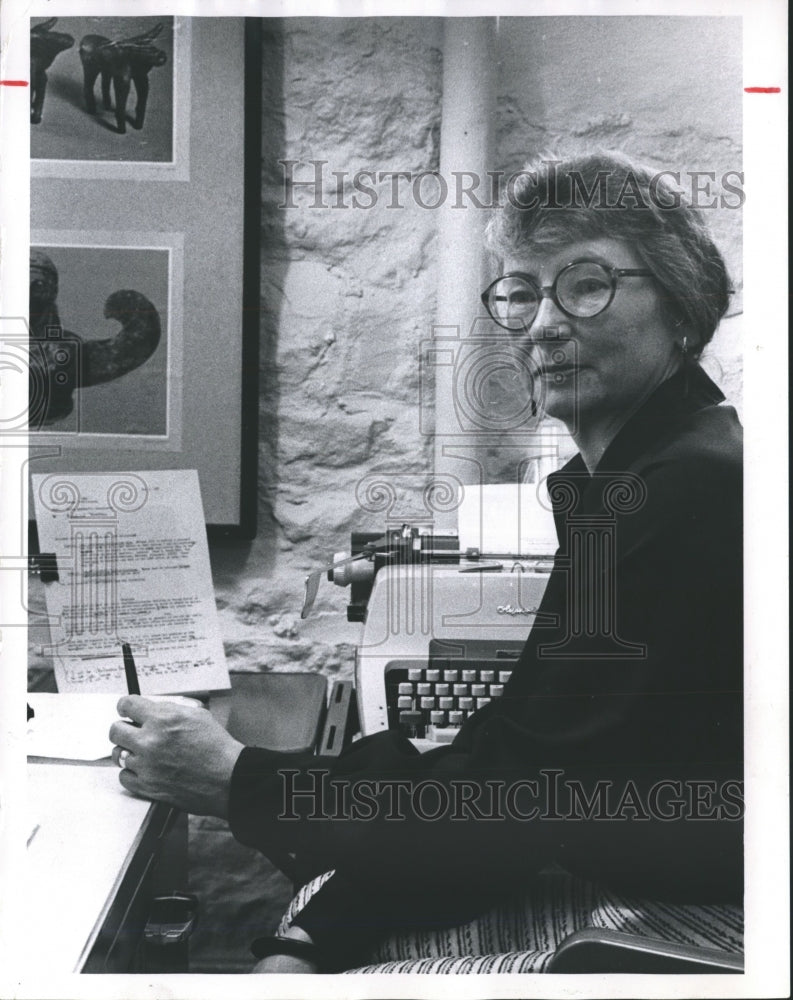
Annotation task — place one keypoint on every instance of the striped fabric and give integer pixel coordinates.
(507, 962)
(716, 926)
(300, 900)
(521, 935)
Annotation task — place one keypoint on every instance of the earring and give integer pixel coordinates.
(685, 365)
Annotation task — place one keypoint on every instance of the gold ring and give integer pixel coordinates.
(122, 759)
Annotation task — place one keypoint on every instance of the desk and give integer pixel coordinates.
(100, 855)
(97, 858)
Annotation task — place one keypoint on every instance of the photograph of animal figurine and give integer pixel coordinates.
(121, 61)
(111, 96)
(45, 45)
(63, 362)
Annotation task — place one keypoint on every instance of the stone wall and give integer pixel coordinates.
(347, 296)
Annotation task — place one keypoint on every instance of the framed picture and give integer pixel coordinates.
(147, 288)
(114, 98)
(114, 333)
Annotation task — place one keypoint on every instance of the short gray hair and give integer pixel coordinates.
(604, 194)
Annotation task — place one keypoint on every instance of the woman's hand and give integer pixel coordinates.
(173, 753)
(287, 964)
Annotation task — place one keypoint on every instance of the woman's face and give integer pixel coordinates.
(598, 369)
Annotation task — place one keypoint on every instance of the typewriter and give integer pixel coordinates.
(442, 627)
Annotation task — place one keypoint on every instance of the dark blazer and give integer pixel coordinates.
(616, 749)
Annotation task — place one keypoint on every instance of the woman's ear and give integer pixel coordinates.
(686, 339)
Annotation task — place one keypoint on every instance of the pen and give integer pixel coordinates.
(133, 687)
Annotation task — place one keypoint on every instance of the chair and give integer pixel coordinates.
(564, 925)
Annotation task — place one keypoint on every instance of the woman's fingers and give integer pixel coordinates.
(136, 708)
(124, 734)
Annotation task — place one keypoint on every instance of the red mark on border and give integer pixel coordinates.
(13, 83)
(762, 90)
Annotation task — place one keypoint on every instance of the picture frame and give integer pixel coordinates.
(143, 408)
(71, 141)
(189, 239)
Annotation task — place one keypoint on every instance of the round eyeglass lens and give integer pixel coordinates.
(584, 289)
(513, 302)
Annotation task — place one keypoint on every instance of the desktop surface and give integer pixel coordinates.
(91, 859)
(97, 856)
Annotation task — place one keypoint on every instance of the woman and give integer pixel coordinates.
(616, 748)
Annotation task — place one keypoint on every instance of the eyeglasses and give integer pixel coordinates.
(581, 289)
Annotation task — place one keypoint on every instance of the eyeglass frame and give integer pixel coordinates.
(549, 291)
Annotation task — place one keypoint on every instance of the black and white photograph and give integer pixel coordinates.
(432, 355)
(77, 294)
(102, 89)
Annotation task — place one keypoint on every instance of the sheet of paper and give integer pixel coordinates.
(133, 567)
(75, 726)
(507, 517)
(70, 726)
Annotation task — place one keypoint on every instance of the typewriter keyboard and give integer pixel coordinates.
(432, 702)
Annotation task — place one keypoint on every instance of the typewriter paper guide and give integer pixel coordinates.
(507, 517)
(133, 567)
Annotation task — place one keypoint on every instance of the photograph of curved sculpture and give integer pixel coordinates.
(110, 97)
(64, 363)
(122, 61)
(45, 45)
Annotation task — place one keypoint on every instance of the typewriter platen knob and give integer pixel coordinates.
(360, 571)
